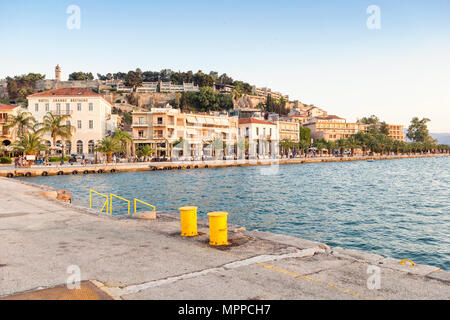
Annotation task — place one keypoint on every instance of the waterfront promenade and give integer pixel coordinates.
(56, 169)
(42, 239)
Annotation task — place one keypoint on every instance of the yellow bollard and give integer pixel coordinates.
(188, 221)
(218, 230)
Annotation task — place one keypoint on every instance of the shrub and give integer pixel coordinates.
(5, 160)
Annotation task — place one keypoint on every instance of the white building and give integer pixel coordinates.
(262, 137)
(90, 115)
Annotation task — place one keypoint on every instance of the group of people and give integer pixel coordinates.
(21, 162)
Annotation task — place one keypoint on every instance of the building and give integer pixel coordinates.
(58, 73)
(3, 88)
(7, 135)
(162, 128)
(264, 92)
(169, 87)
(90, 115)
(330, 128)
(396, 132)
(289, 130)
(262, 137)
(148, 87)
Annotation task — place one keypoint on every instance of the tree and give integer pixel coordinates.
(353, 143)
(134, 78)
(21, 122)
(29, 144)
(124, 139)
(53, 124)
(369, 120)
(81, 76)
(145, 151)
(418, 130)
(305, 134)
(108, 146)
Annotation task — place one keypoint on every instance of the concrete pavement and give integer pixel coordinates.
(43, 239)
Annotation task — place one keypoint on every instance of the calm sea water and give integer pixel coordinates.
(395, 208)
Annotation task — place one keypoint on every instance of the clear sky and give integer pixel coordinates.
(320, 52)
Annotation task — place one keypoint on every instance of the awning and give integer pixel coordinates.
(201, 120)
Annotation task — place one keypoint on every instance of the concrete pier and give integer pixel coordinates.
(9, 171)
(43, 241)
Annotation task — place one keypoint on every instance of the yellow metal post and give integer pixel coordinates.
(188, 221)
(218, 229)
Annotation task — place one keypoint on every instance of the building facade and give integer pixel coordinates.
(331, 128)
(184, 135)
(262, 137)
(289, 130)
(89, 113)
(7, 135)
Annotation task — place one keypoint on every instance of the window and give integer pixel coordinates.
(91, 124)
(68, 123)
(270, 132)
(91, 106)
(247, 131)
(257, 131)
(264, 131)
(91, 146)
(47, 107)
(141, 133)
(79, 147)
(79, 124)
(67, 108)
(160, 120)
(36, 107)
(58, 108)
(79, 106)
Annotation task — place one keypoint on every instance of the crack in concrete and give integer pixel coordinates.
(118, 292)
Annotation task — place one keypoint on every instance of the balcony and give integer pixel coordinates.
(159, 123)
(144, 137)
(140, 124)
(61, 112)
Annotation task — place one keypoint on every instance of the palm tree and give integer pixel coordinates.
(353, 143)
(29, 143)
(124, 139)
(145, 151)
(108, 146)
(330, 146)
(342, 144)
(53, 124)
(303, 145)
(22, 121)
(320, 145)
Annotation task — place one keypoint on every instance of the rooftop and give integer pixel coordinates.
(253, 120)
(4, 107)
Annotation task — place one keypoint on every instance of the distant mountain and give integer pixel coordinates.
(443, 138)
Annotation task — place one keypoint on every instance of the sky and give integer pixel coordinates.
(319, 52)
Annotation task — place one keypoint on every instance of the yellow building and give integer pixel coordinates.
(162, 127)
(288, 130)
(331, 128)
(7, 135)
(396, 132)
